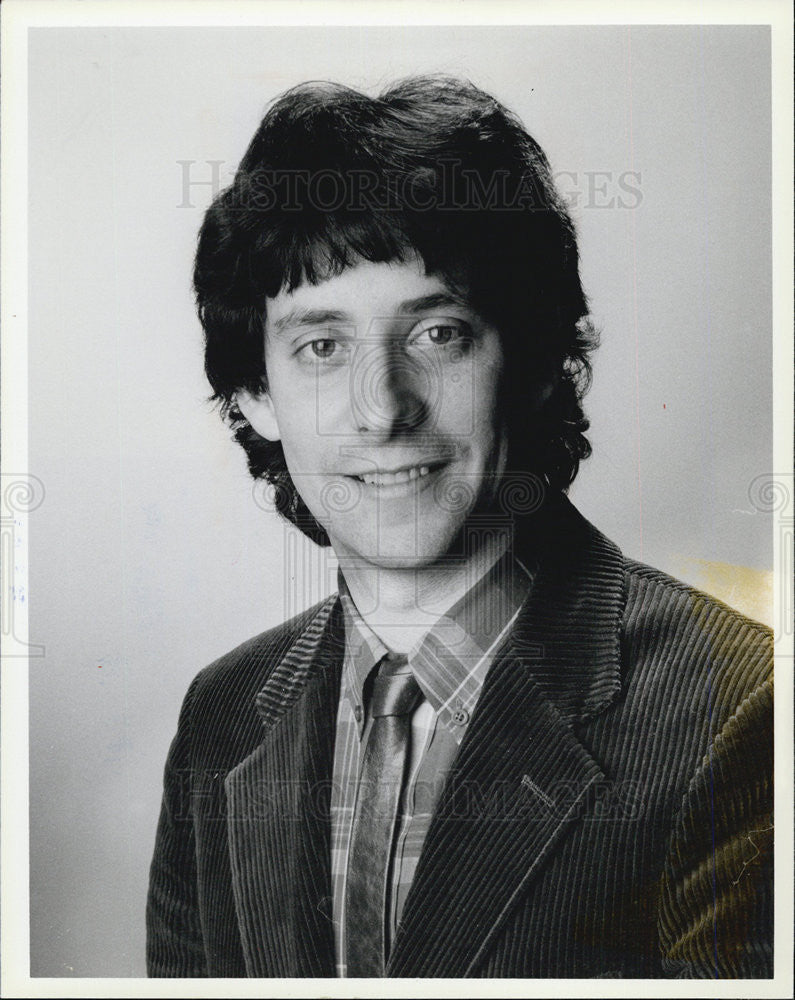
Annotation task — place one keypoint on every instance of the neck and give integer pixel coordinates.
(401, 605)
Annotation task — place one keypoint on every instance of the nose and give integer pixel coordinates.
(391, 393)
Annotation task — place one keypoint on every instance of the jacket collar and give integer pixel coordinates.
(521, 778)
(569, 631)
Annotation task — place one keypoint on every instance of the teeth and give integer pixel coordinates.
(392, 478)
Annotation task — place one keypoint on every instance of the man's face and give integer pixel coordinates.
(382, 388)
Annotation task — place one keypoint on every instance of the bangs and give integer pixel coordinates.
(311, 251)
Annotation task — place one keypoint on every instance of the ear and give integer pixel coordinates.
(259, 412)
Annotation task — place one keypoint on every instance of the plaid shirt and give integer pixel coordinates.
(450, 663)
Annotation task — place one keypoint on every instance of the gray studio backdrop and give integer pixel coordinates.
(151, 555)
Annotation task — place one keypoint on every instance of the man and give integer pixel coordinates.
(503, 749)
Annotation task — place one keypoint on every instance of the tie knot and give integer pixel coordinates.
(395, 690)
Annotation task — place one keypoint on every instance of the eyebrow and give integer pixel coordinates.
(436, 300)
(301, 319)
(298, 319)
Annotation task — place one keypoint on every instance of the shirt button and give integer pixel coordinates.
(460, 717)
(357, 713)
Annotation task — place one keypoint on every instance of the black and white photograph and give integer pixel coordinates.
(397, 498)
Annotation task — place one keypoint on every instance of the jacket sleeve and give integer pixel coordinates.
(716, 906)
(174, 944)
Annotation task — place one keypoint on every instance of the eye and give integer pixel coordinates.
(442, 333)
(322, 349)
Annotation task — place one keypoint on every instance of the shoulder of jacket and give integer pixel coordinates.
(253, 659)
(678, 624)
(647, 581)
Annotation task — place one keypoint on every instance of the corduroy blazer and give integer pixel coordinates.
(609, 812)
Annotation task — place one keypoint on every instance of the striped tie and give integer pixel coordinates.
(395, 694)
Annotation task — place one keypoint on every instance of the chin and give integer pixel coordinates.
(401, 550)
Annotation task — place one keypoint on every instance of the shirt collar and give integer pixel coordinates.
(363, 649)
(451, 660)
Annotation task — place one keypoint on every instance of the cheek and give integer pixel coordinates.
(299, 439)
(303, 450)
(471, 396)
(316, 407)
(296, 414)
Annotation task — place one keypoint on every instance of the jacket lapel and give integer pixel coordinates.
(278, 811)
(521, 778)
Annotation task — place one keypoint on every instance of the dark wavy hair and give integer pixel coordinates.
(436, 167)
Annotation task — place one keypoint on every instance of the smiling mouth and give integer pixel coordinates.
(399, 476)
